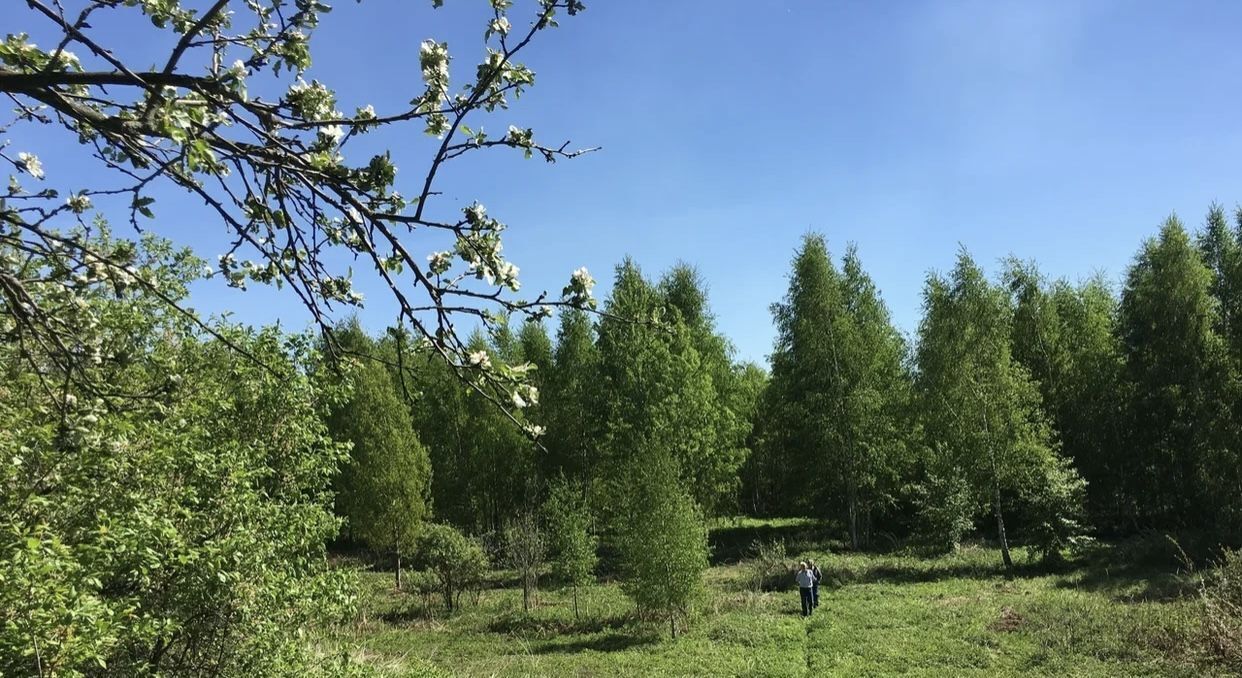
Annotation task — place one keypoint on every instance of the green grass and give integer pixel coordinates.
(883, 614)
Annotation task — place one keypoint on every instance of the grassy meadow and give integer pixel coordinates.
(1116, 610)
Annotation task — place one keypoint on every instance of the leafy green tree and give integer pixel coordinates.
(1089, 417)
(1221, 250)
(483, 462)
(806, 394)
(572, 398)
(724, 420)
(383, 489)
(838, 390)
(982, 413)
(663, 554)
(1180, 392)
(526, 546)
(165, 485)
(573, 543)
(456, 560)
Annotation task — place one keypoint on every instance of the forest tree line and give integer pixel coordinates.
(1026, 408)
(170, 486)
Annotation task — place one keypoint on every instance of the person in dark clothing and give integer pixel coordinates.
(815, 585)
(806, 581)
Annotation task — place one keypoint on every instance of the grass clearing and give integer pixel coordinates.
(898, 613)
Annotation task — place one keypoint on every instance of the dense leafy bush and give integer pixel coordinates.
(164, 494)
(457, 561)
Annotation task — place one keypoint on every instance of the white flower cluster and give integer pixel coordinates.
(31, 164)
(78, 203)
(433, 57)
(578, 291)
(480, 249)
(312, 101)
(525, 395)
(439, 262)
(520, 137)
(330, 133)
(500, 26)
(479, 359)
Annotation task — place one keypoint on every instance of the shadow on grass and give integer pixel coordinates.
(521, 624)
(918, 573)
(1125, 576)
(614, 642)
(732, 544)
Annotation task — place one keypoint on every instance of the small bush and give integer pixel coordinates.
(945, 508)
(769, 566)
(457, 561)
(1222, 604)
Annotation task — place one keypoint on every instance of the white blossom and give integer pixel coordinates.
(30, 163)
(332, 133)
(583, 277)
(480, 359)
(500, 25)
(439, 262)
(78, 203)
(475, 213)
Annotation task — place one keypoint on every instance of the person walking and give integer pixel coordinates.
(806, 581)
(817, 576)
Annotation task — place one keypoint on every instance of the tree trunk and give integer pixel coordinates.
(398, 570)
(525, 592)
(1000, 526)
(576, 617)
(852, 500)
(996, 491)
(672, 623)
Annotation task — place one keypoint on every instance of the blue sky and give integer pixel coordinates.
(1064, 132)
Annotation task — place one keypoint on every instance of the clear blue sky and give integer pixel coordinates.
(1059, 131)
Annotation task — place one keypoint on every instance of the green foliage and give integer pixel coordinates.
(1182, 432)
(663, 547)
(1055, 511)
(573, 544)
(166, 503)
(526, 546)
(981, 411)
(1222, 607)
(572, 400)
(457, 561)
(383, 488)
(838, 394)
(946, 508)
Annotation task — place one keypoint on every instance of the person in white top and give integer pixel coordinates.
(806, 580)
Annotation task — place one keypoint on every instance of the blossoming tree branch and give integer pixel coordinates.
(228, 116)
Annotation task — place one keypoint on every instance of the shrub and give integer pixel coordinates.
(165, 506)
(1222, 603)
(945, 508)
(1056, 503)
(525, 548)
(457, 561)
(573, 544)
(769, 566)
(664, 552)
